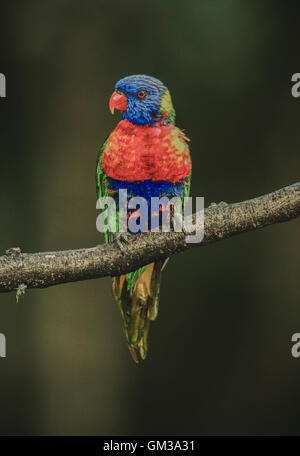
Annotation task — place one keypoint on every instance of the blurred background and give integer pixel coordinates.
(220, 351)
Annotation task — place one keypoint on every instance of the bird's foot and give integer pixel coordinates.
(120, 239)
(177, 222)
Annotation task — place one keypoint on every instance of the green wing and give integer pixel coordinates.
(101, 182)
(100, 175)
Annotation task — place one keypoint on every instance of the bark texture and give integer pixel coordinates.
(19, 271)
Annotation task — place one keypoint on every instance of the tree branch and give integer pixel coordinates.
(39, 270)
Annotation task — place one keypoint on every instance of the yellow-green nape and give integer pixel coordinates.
(166, 105)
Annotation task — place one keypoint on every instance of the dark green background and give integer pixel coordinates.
(220, 351)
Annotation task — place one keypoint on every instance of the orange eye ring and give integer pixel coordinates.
(141, 94)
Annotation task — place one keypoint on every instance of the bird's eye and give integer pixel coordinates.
(141, 94)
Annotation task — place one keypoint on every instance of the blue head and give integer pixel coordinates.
(143, 99)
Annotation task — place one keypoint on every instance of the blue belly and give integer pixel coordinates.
(147, 188)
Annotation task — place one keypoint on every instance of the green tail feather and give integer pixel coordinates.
(137, 295)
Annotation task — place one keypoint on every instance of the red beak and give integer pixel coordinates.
(118, 101)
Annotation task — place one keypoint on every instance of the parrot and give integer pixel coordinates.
(148, 156)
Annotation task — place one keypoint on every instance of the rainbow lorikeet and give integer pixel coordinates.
(147, 155)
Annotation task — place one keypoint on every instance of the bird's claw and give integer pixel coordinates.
(177, 218)
(121, 238)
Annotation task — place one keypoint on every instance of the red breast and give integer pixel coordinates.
(135, 152)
